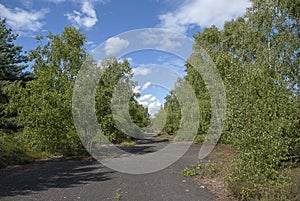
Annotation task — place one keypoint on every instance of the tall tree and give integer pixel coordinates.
(258, 58)
(12, 64)
(44, 105)
(265, 40)
(172, 109)
(158, 123)
(116, 72)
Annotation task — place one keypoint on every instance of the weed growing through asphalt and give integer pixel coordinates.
(118, 194)
(201, 169)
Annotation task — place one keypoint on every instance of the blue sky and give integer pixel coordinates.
(100, 20)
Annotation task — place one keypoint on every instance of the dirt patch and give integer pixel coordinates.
(221, 155)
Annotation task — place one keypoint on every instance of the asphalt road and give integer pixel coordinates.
(89, 180)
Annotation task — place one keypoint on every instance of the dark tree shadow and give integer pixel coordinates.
(146, 146)
(151, 141)
(64, 174)
(139, 149)
(55, 174)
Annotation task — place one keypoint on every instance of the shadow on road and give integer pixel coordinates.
(64, 174)
(59, 174)
(89, 180)
(142, 147)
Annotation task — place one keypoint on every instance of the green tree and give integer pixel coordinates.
(116, 72)
(260, 53)
(265, 127)
(138, 113)
(12, 64)
(258, 58)
(44, 106)
(172, 109)
(158, 123)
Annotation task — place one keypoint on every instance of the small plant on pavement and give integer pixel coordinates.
(118, 194)
(201, 169)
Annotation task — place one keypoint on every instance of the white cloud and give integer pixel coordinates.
(27, 4)
(163, 39)
(87, 18)
(138, 88)
(114, 45)
(90, 42)
(175, 62)
(141, 71)
(22, 20)
(90, 45)
(145, 97)
(152, 98)
(78, 1)
(129, 59)
(203, 13)
(56, 1)
(151, 102)
(146, 85)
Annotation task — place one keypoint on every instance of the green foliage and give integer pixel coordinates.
(116, 72)
(202, 95)
(255, 182)
(118, 194)
(201, 169)
(44, 105)
(11, 58)
(189, 172)
(172, 109)
(12, 151)
(128, 144)
(263, 118)
(139, 115)
(258, 58)
(199, 138)
(158, 122)
(12, 64)
(181, 120)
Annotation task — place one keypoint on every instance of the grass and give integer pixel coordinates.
(165, 135)
(204, 169)
(13, 152)
(127, 144)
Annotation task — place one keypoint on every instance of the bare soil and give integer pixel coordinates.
(221, 155)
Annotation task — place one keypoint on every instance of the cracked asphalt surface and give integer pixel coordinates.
(88, 180)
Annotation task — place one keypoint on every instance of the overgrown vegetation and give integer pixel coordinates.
(201, 169)
(41, 107)
(44, 103)
(12, 152)
(258, 58)
(13, 61)
(115, 72)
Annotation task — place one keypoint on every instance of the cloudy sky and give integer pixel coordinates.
(102, 20)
